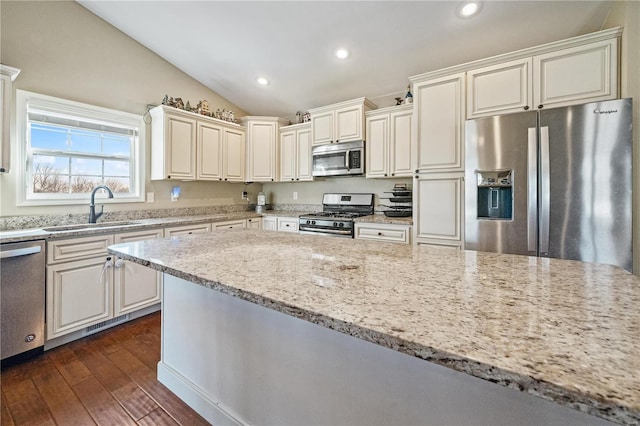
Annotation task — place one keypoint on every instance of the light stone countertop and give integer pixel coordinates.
(564, 330)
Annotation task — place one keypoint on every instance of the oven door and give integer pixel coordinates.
(327, 232)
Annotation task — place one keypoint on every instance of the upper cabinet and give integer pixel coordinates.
(389, 149)
(574, 75)
(439, 123)
(7, 75)
(262, 148)
(342, 122)
(295, 153)
(190, 146)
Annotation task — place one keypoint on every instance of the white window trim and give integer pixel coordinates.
(87, 111)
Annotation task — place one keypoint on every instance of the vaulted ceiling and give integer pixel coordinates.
(226, 45)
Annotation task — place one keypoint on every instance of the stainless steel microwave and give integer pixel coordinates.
(339, 159)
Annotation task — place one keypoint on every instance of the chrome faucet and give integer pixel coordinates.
(93, 216)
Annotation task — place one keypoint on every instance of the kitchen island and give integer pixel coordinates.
(272, 328)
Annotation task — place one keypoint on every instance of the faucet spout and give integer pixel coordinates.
(93, 216)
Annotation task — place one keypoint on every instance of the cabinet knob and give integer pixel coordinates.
(297, 178)
(385, 175)
(416, 177)
(168, 177)
(271, 179)
(2, 170)
(380, 234)
(417, 171)
(337, 141)
(291, 178)
(526, 107)
(225, 178)
(220, 179)
(393, 174)
(540, 106)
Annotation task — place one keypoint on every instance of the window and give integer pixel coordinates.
(69, 148)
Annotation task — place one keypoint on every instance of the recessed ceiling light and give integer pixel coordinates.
(342, 53)
(468, 9)
(262, 81)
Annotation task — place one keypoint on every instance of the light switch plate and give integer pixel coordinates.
(151, 197)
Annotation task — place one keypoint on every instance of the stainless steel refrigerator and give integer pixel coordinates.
(553, 183)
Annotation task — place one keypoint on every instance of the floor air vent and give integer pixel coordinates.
(105, 324)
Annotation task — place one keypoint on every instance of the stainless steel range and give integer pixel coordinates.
(336, 217)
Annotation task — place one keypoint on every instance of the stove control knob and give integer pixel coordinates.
(340, 225)
(335, 223)
(313, 222)
(308, 222)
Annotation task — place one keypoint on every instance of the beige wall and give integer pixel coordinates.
(627, 14)
(63, 50)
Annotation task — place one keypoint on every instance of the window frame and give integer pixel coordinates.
(25, 197)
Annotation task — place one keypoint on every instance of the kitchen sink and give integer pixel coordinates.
(83, 226)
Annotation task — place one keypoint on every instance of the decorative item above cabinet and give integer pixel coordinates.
(341, 122)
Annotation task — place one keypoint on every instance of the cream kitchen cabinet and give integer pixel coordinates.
(341, 122)
(7, 76)
(79, 284)
(574, 75)
(295, 153)
(254, 223)
(85, 285)
(174, 231)
(135, 286)
(188, 146)
(389, 148)
(263, 148)
(438, 220)
(288, 224)
(270, 223)
(386, 232)
(439, 123)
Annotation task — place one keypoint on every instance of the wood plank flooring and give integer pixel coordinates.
(105, 379)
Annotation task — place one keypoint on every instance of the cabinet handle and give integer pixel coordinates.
(385, 175)
(292, 179)
(380, 234)
(540, 106)
(168, 177)
(2, 170)
(225, 178)
(271, 179)
(526, 107)
(219, 178)
(297, 178)
(337, 141)
(417, 171)
(393, 174)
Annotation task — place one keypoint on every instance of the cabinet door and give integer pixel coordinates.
(262, 152)
(181, 147)
(288, 156)
(439, 109)
(377, 145)
(254, 223)
(187, 229)
(78, 295)
(209, 152)
(5, 113)
(229, 224)
(500, 89)
(577, 75)
(322, 127)
(270, 223)
(383, 232)
(303, 153)
(349, 121)
(135, 286)
(400, 148)
(233, 155)
(438, 208)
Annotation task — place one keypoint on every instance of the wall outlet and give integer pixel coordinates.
(175, 193)
(295, 195)
(151, 197)
(244, 195)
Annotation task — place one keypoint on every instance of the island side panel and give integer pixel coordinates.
(239, 363)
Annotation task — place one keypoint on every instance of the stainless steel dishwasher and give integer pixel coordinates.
(22, 300)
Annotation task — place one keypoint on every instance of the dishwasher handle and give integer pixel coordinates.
(20, 252)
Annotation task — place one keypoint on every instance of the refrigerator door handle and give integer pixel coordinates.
(545, 188)
(532, 190)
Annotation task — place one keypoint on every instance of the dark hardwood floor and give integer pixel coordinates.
(105, 379)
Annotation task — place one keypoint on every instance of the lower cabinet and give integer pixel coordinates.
(135, 286)
(283, 224)
(229, 224)
(439, 209)
(86, 285)
(186, 229)
(388, 232)
(254, 223)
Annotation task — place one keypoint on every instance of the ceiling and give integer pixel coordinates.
(226, 45)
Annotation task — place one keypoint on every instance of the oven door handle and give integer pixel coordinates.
(324, 230)
(347, 159)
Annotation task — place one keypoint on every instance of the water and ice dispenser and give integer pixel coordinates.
(495, 194)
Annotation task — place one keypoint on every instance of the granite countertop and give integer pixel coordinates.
(564, 330)
(40, 233)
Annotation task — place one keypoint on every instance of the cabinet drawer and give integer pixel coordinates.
(187, 229)
(389, 233)
(288, 224)
(128, 237)
(77, 248)
(229, 224)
